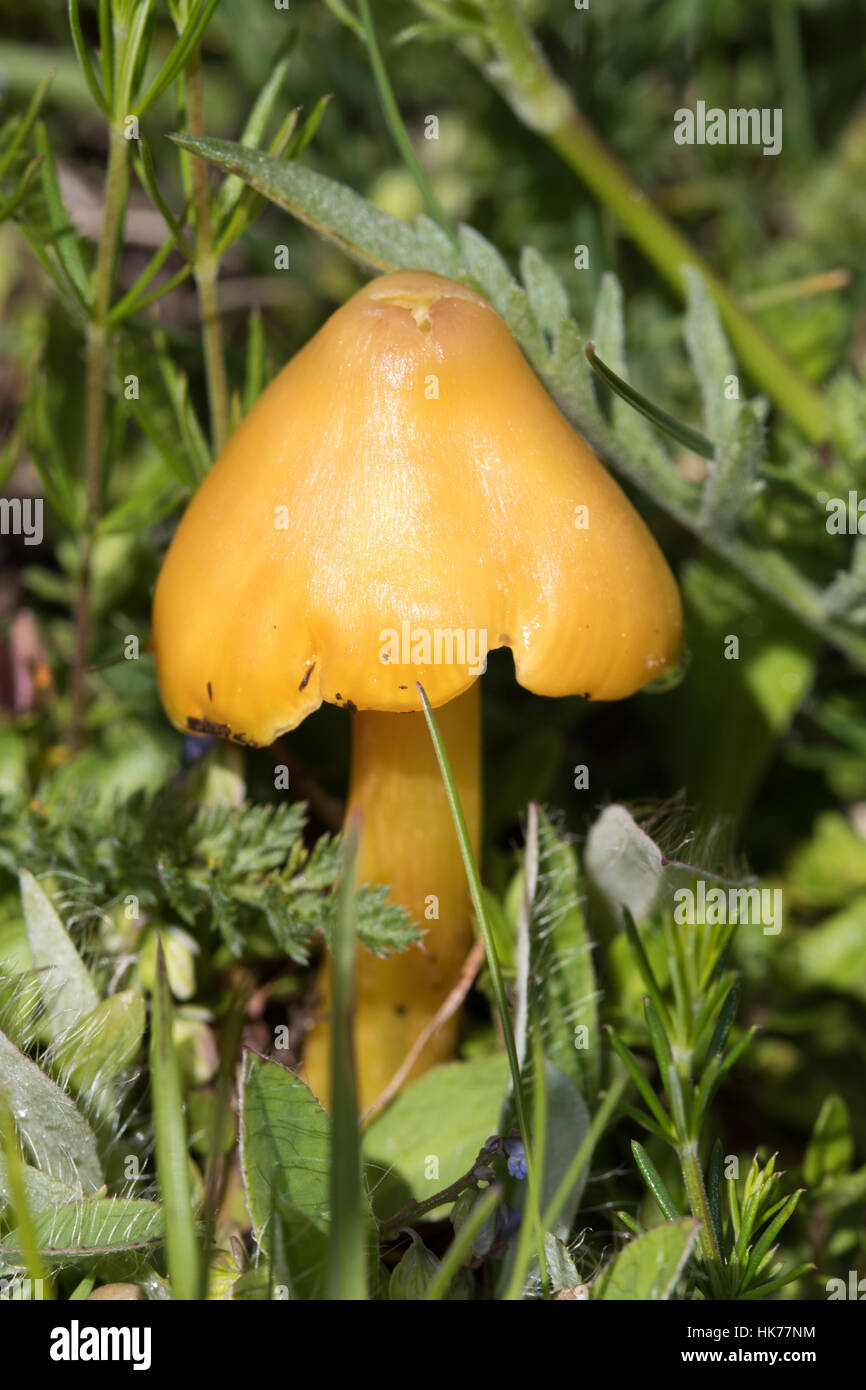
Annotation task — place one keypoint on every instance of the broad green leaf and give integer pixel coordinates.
(649, 1266)
(54, 1130)
(299, 1253)
(433, 1130)
(285, 1144)
(68, 992)
(91, 1229)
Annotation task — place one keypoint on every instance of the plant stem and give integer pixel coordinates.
(97, 339)
(416, 1211)
(540, 101)
(206, 267)
(395, 123)
(698, 1201)
(183, 1255)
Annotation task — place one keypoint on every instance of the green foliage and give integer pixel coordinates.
(285, 1146)
(245, 875)
(54, 1131)
(82, 1232)
(649, 1266)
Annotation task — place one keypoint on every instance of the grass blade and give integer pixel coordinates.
(347, 1269)
(23, 1219)
(462, 1244)
(394, 121)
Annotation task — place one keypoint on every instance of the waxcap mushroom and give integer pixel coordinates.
(405, 474)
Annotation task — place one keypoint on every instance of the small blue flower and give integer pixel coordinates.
(196, 745)
(516, 1157)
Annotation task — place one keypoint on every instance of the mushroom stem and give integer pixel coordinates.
(407, 841)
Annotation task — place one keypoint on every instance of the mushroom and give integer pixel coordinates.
(403, 498)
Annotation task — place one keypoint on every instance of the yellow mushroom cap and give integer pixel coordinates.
(402, 498)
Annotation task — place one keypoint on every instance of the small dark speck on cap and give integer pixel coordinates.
(400, 1010)
(404, 687)
(306, 680)
(209, 691)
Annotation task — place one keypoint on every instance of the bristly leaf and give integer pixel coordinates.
(373, 238)
(90, 1055)
(650, 1265)
(68, 993)
(91, 1229)
(486, 267)
(561, 962)
(711, 358)
(733, 482)
(546, 291)
(54, 1130)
